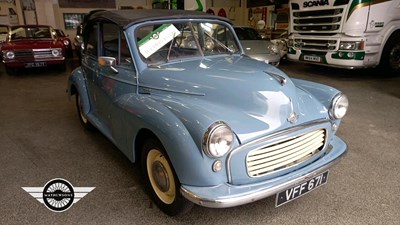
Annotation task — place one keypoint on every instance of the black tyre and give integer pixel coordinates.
(62, 67)
(161, 181)
(82, 117)
(390, 60)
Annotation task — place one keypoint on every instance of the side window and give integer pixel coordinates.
(125, 54)
(91, 44)
(110, 40)
(114, 44)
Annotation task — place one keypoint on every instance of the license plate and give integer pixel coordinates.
(312, 58)
(301, 189)
(35, 64)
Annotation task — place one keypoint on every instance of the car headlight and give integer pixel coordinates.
(340, 104)
(347, 45)
(290, 43)
(9, 55)
(273, 49)
(217, 140)
(56, 52)
(66, 42)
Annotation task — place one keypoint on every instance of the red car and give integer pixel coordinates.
(31, 46)
(66, 41)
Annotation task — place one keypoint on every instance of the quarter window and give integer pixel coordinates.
(114, 44)
(92, 40)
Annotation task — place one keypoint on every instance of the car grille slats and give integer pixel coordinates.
(284, 154)
(309, 44)
(42, 53)
(35, 53)
(23, 53)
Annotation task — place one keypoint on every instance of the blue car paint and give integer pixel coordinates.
(77, 80)
(177, 101)
(186, 105)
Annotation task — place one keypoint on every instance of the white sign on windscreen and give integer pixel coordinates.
(157, 39)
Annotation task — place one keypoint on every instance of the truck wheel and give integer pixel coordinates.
(161, 181)
(82, 117)
(390, 60)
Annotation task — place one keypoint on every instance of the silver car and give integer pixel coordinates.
(256, 47)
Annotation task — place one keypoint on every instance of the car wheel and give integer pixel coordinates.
(62, 67)
(391, 55)
(161, 181)
(82, 117)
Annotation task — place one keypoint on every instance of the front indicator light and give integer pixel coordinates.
(217, 166)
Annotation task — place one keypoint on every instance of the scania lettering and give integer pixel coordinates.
(346, 33)
(315, 3)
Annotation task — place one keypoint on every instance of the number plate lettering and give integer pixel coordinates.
(312, 58)
(301, 189)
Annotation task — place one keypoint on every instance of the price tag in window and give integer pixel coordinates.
(157, 39)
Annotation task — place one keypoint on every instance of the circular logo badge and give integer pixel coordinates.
(58, 195)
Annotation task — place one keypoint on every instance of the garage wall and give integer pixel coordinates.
(48, 12)
(45, 13)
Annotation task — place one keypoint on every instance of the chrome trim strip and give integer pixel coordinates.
(148, 87)
(281, 79)
(261, 194)
(266, 138)
(329, 65)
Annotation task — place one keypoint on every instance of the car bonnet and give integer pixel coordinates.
(252, 97)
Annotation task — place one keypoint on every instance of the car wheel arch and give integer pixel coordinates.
(187, 160)
(76, 86)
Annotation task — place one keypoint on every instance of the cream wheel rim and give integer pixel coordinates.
(83, 117)
(161, 176)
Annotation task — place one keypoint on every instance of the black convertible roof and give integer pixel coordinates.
(126, 18)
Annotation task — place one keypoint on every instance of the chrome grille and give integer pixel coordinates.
(320, 21)
(42, 53)
(285, 153)
(36, 53)
(312, 44)
(23, 53)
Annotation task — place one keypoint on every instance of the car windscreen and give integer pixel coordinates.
(3, 30)
(30, 33)
(246, 33)
(159, 43)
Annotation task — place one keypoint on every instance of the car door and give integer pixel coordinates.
(91, 70)
(116, 81)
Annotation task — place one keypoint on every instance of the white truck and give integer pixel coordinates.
(346, 33)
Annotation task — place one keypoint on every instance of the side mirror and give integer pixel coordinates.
(108, 62)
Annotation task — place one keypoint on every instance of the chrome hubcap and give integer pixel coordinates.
(160, 176)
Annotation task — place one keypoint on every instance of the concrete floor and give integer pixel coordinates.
(41, 139)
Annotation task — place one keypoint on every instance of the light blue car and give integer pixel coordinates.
(174, 91)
